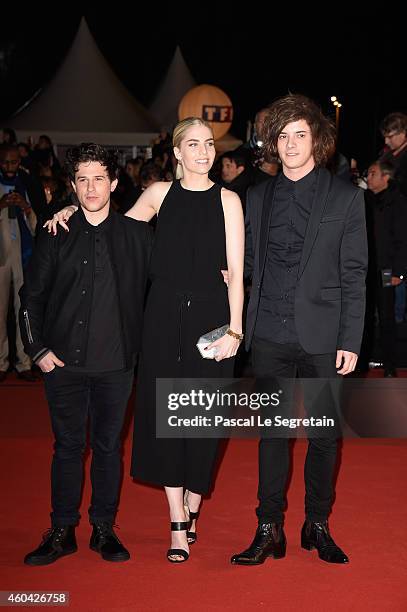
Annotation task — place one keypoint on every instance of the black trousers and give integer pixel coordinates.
(387, 322)
(384, 299)
(271, 359)
(74, 399)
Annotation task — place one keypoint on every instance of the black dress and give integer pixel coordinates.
(187, 298)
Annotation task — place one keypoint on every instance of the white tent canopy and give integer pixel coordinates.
(177, 82)
(174, 86)
(86, 102)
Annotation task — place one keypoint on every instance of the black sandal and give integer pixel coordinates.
(192, 535)
(180, 552)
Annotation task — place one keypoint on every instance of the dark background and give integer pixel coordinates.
(255, 56)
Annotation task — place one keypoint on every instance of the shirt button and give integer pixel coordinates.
(86, 232)
(85, 261)
(83, 291)
(284, 320)
(80, 322)
(286, 296)
(78, 350)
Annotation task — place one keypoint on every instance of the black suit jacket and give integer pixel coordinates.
(330, 291)
(386, 215)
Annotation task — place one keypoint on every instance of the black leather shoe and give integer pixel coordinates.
(269, 541)
(390, 372)
(56, 542)
(104, 541)
(316, 535)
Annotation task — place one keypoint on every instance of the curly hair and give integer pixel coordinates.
(295, 107)
(89, 152)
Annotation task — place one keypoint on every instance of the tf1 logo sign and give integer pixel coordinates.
(219, 114)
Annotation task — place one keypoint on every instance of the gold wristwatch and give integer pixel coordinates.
(234, 334)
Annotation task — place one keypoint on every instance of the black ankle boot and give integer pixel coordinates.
(269, 541)
(316, 535)
(56, 542)
(105, 541)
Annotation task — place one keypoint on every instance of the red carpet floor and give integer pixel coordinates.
(369, 522)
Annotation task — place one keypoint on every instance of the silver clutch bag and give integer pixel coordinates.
(208, 338)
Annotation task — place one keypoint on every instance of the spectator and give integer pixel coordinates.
(133, 167)
(387, 211)
(17, 226)
(394, 131)
(236, 173)
(27, 162)
(45, 156)
(8, 136)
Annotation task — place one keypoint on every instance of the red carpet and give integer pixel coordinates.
(369, 522)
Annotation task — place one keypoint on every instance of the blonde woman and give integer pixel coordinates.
(200, 231)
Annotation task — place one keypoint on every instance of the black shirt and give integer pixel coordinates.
(105, 349)
(291, 209)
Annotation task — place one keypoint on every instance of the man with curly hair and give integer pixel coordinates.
(306, 255)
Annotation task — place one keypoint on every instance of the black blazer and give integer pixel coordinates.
(57, 293)
(330, 292)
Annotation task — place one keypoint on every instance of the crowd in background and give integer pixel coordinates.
(34, 185)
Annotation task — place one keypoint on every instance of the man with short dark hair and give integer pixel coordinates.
(394, 131)
(236, 173)
(80, 318)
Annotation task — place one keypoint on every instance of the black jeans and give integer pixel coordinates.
(72, 399)
(271, 359)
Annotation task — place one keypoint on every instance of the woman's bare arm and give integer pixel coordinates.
(234, 227)
(144, 209)
(228, 345)
(149, 202)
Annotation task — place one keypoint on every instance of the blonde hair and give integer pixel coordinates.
(179, 134)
